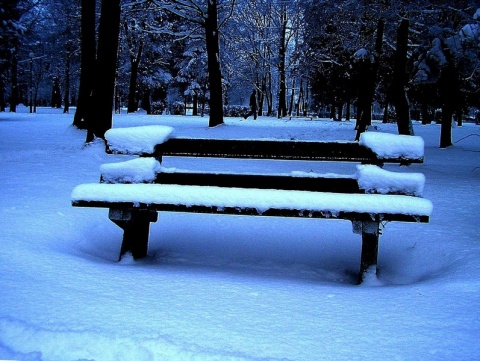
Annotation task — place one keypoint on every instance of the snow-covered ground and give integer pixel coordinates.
(227, 287)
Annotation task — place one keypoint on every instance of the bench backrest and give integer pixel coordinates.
(373, 148)
(267, 149)
(272, 149)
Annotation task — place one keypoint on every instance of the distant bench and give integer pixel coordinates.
(135, 190)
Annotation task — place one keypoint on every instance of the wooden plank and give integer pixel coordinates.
(272, 149)
(266, 149)
(262, 181)
(272, 212)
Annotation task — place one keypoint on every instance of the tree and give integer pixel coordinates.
(448, 62)
(214, 70)
(282, 50)
(449, 89)
(98, 68)
(192, 74)
(342, 53)
(252, 48)
(88, 55)
(369, 73)
(137, 18)
(10, 31)
(100, 116)
(58, 33)
(206, 15)
(398, 90)
(135, 49)
(68, 61)
(264, 41)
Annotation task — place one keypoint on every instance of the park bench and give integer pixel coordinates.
(137, 189)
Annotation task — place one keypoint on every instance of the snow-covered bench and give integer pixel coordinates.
(135, 190)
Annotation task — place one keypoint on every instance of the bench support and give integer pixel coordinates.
(136, 228)
(370, 231)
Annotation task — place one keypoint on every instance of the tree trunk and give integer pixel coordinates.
(300, 100)
(292, 98)
(66, 98)
(340, 112)
(459, 116)
(87, 63)
(399, 95)
(347, 112)
(426, 117)
(14, 97)
(358, 113)
(332, 112)
(104, 87)
(282, 94)
(56, 101)
(269, 94)
(3, 104)
(214, 70)
(306, 102)
(35, 92)
(365, 103)
(261, 98)
(30, 86)
(385, 112)
(146, 103)
(132, 87)
(134, 64)
(449, 88)
(446, 129)
(195, 103)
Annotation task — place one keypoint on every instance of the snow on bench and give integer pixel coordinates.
(138, 170)
(137, 140)
(388, 146)
(374, 179)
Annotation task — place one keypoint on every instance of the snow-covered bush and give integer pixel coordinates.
(158, 108)
(177, 108)
(235, 110)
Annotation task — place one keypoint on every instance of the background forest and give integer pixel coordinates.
(334, 59)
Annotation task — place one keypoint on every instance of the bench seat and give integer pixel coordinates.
(161, 197)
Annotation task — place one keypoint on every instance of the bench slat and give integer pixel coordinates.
(261, 181)
(368, 179)
(261, 202)
(249, 211)
(273, 149)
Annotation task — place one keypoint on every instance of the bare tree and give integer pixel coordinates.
(205, 14)
(367, 92)
(88, 52)
(99, 115)
(282, 50)
(398, 87)
(97, 78)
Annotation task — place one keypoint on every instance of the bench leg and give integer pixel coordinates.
(370, 232)
(136, 228)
